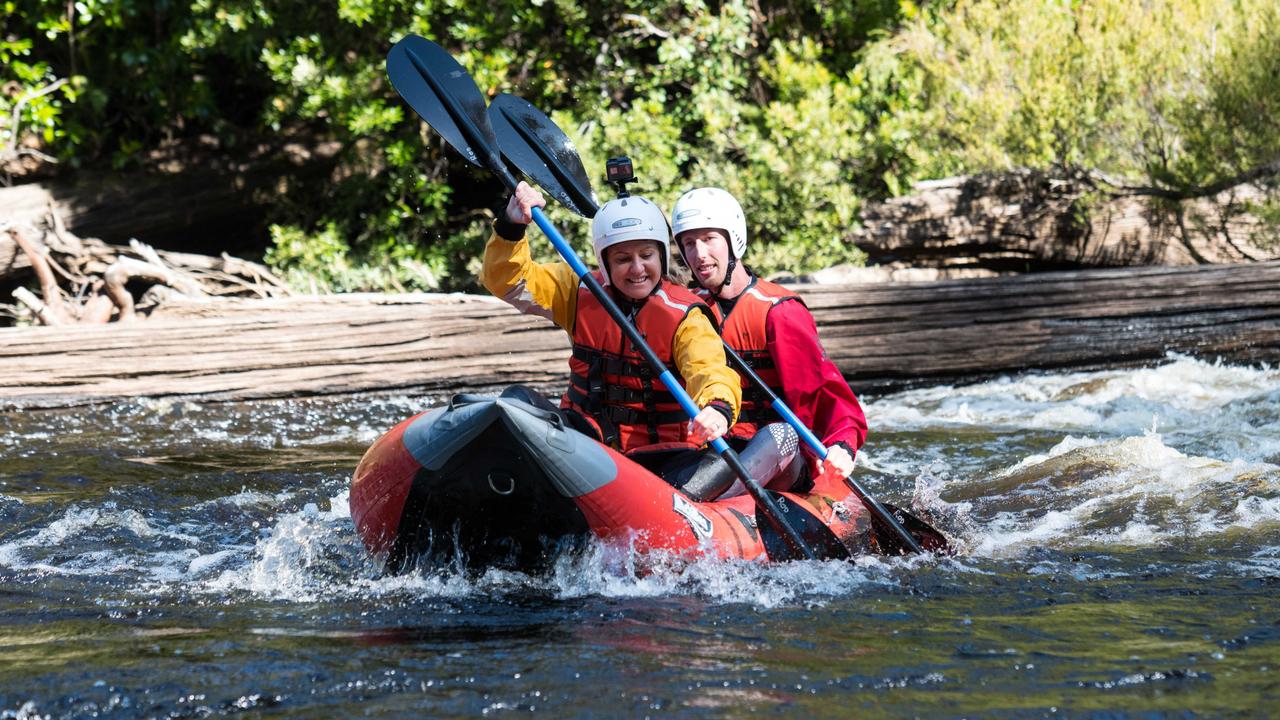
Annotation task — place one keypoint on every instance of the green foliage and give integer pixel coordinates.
(32, 98)
(1175, 93)
(1267, 234)
(803, 109)
(324, 261)
(1232, 124)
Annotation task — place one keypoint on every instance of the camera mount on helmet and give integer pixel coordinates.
(619, 172)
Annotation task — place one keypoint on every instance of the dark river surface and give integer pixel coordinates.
(1120, 557)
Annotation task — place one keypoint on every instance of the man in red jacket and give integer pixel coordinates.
(771, 328)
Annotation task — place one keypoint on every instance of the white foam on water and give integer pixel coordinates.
(872, 459)
(27, 711)
(249, 499)
(1206, 402)
(314, 554)
(1068, 444)
(1134, 491)
(1147, 456)
(61, 547)
(303, 556)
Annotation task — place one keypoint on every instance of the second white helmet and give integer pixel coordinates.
(711, 207)
(629, 218)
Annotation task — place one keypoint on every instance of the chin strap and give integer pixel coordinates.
(728, 274)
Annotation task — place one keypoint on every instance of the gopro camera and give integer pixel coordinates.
(619, 172)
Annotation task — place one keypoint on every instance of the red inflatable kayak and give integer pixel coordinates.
(497, 481)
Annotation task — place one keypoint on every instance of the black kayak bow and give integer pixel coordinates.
(444, 95)
(542, 151)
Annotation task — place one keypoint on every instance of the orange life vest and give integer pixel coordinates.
(744, 331)
(611, 383)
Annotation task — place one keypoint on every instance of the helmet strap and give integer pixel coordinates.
(728, 273)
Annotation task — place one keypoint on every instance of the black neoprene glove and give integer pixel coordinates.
(506, 229)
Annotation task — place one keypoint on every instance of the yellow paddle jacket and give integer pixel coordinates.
(550, 290)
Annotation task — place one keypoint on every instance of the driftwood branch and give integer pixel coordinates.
(1265, 171)
(43, 312)
(100, 279)
(51, 311)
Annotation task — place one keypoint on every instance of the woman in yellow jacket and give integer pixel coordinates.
(611, 386)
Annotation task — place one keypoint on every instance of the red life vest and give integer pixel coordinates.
(744, 331)
(611, 383)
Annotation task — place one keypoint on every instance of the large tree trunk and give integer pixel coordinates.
(883, 337)
(1029, 221)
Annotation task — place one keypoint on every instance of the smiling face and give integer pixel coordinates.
(706, 251)
(635, 267)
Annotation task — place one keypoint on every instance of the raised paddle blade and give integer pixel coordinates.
(443, 94)
(536, 145)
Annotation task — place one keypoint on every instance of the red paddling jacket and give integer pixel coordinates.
(772, 329)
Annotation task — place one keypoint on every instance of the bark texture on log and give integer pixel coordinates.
(883, 337)
(232, 349)
(1027, 221)
(886, 337)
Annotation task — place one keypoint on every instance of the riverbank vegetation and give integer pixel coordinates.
(803, 110)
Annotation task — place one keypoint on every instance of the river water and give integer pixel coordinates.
(1120, 556)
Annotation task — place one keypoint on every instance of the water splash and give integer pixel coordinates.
(313, 554)
(1135, 492)
(1213, 409)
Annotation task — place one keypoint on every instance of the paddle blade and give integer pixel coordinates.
(889, 543)
(536, 145)
(443, 94)
(817, 536)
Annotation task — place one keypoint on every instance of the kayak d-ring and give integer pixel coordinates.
(502, 482)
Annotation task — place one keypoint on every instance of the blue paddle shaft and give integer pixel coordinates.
(668, 379)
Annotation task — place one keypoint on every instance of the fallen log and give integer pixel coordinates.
(886, 337)
(883, 338)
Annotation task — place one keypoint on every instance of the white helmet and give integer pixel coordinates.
(711, 208)
(629, 218)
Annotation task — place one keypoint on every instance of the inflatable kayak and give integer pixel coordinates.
(498, 481)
